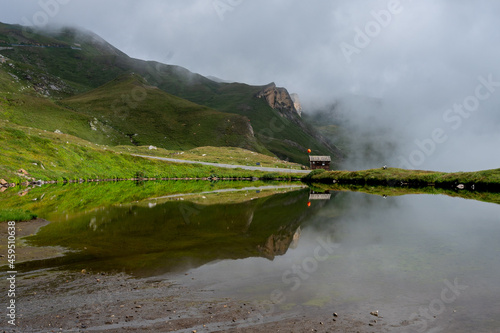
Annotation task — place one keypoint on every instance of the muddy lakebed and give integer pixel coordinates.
(251, 257)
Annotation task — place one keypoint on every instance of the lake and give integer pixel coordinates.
(427, 262)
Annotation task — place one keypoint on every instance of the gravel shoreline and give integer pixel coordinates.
(58, 301)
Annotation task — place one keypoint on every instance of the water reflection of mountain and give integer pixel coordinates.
(175, 235)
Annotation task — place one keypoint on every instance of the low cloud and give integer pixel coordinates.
(418, 62)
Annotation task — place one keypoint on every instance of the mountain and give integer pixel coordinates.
(219, 80)
(80, 79)
(150, 116)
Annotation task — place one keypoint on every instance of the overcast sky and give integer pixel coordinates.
(419, 57)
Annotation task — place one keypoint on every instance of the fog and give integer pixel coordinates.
(416, 59)
(388, 254)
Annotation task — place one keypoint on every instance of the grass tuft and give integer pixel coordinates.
(16, 215)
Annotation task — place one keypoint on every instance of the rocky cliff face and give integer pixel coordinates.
(278, 98)
(289, 106)
(278, 244)
(296, 103)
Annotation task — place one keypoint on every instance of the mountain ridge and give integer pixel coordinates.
(69, 62)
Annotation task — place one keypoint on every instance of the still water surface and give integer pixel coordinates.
(429, 261)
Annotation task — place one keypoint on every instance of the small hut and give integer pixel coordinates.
(319, 195)
(320, 162)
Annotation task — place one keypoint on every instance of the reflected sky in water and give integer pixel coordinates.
(399, 255)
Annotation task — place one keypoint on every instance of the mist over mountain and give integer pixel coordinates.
(418, 58)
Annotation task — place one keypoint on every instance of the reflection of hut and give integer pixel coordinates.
(320, 162)
(319, 195)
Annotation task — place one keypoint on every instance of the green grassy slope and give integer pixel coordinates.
(124, 111)
(149, 116)
(287, 136)
(51, 156)
(80, 58)
(20, 104)
(226, 155)
(95, 62)
(485, 180)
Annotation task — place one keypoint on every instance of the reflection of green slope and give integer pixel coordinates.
(173, 235)
(491, 197)
(54, 202)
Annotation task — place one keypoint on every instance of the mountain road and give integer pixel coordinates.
(229, 166)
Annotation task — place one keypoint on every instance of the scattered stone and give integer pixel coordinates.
(58, 131)
(335, 314)
(374, 313)
(22, 171)
(3, 182)
(84, 271)
(370, 324)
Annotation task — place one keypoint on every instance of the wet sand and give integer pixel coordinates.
(24, 252)
(90, 302)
